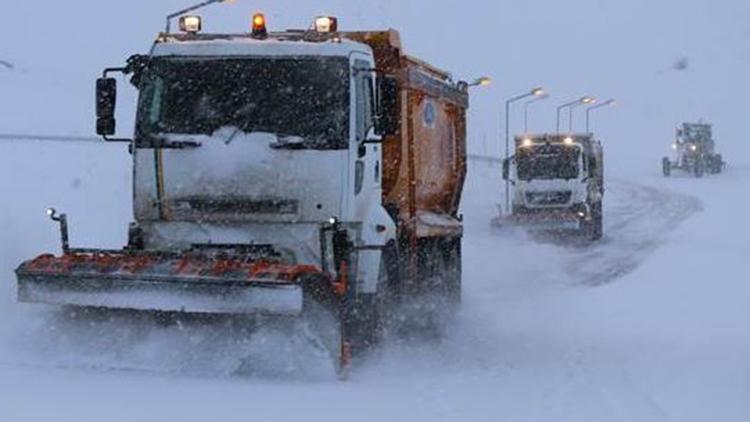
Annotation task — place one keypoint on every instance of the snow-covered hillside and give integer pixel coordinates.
(648, 325)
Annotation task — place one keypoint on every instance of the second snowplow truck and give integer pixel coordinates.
(313, 173)
(558, 183)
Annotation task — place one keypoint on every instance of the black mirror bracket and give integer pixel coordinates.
(106, 100)
(107, 71)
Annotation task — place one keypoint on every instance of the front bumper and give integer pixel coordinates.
(551, 218)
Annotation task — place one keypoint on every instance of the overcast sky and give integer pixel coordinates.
(625, 49)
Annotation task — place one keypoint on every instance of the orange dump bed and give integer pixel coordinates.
(425, 162)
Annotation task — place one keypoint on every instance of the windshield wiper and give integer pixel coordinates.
(161, 141)
(286, 141)
(283, 140)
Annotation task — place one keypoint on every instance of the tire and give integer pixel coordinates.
(373, 312)
(592, 229)
(666, 167)
(452, 273)
(713, 164)
(699, 168)
(597, 222)
(428, 306)
(719, 161)
(448, 290)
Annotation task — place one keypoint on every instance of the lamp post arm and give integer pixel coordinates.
(595, 107)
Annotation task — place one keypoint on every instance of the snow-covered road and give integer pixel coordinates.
(650, 324)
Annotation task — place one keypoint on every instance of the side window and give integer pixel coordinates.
(359, 176)
(365, 99)
(156, 101)
(369, 102)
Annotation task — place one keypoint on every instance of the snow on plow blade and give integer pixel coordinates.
(150, 281)
(548, 220)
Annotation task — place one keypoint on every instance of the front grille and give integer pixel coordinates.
(238, 205)
(548, 198)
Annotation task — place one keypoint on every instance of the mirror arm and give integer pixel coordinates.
(107, 71)
(108, 139)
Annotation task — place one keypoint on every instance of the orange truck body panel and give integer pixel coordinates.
(425, 162)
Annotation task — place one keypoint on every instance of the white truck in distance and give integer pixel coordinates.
(557, 183)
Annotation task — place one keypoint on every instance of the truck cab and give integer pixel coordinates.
(557, 182)
(258, 140)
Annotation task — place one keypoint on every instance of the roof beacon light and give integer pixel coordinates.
(191, 24)
(259, 26)
(568, 140)
(326, 24)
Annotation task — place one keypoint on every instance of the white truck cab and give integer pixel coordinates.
(557, 182)
(215, 163)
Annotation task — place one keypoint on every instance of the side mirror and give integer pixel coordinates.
(106, 99)
(388, 121)
(506, 169)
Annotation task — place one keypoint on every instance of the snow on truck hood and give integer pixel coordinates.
(211, 181)
(245, 46)
(544, 185)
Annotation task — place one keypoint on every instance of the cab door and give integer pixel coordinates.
(364, 150)
(365, 155)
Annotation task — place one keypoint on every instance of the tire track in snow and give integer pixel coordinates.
(637, 220)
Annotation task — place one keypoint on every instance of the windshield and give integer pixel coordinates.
(548, 162)
(303, 97)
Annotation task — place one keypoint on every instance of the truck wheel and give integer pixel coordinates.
(373, 312)
(699, 167)
(452, 273)
(446, 297)
(431, 304)
(597, 222)
(719, 162)
(666, 166)
(712, 164)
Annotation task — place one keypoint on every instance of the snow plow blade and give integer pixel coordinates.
(147, 281)
(546, 220)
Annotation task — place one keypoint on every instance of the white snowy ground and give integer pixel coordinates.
(651, 324)
(648, 325)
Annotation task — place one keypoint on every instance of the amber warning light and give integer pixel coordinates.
(259, 25)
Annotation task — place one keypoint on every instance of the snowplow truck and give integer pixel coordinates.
(557, 183)
(306, 173)
(694, 149)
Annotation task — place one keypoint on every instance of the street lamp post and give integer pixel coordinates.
(526, 110)
(572, 108)
(582, 100)
(536, 92)
(483, 81)
(602, 105)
